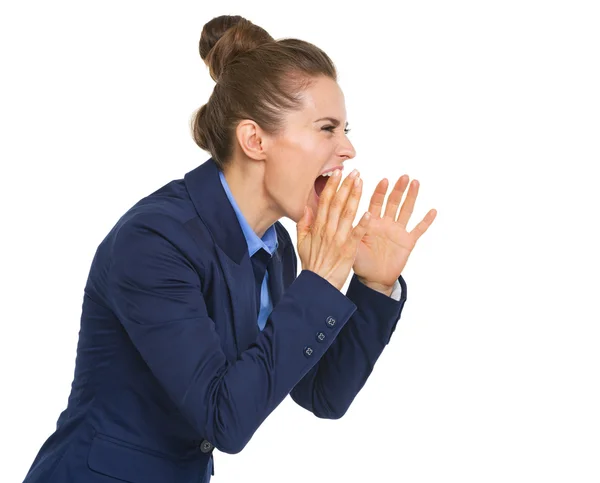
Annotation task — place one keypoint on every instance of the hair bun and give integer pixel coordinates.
(224, 38)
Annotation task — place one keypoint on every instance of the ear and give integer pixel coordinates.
(251, 139)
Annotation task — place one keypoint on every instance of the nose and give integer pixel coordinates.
(346, 149)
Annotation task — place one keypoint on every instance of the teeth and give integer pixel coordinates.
(328, 174)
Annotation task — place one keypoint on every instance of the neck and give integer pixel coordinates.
(246, 182)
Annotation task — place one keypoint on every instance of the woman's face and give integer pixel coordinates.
(313, 141)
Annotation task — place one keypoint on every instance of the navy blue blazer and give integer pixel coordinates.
(170, 361)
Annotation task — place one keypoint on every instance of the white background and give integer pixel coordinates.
(493, 372)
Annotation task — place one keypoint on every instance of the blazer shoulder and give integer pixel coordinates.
(168, 214)
(169, 205)
(172, 200)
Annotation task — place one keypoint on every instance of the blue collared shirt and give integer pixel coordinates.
(268, 242)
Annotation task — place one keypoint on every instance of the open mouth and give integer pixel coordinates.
(321, 181)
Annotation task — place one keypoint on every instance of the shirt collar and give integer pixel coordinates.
(269, 240)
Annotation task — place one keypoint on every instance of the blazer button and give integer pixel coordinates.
(206, 446)
(308, 351)
(330, 321)
(320, 336)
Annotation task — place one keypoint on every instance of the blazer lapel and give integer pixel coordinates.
(213, 207)
(275, 268)
(241, 298)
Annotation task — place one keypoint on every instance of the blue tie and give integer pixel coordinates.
(259, 264)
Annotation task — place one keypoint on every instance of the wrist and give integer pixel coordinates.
(378, 287)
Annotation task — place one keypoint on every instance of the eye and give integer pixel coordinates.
(331, 128)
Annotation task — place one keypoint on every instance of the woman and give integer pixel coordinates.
(195, 324)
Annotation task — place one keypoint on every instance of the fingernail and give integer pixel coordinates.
(354, 173)
(357, 181)
(336, 173)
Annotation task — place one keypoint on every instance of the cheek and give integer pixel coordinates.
(291, 181)
(300, 168)
(299, 162)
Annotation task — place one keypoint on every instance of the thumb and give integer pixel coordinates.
(303, 225)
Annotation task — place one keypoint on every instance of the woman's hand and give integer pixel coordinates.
(386, 246)
(327, 244)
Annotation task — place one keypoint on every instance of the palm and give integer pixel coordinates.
(384, 250)
(385, 246)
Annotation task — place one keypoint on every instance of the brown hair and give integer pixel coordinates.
(256, 77)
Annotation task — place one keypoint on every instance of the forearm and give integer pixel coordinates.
(331, 386)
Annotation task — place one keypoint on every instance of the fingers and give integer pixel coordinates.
(423, 225)
(344, 224)
(391, 207)
(358, 232)
(378, 198)
(345, 199)
(325, 199)
(328, 230)
(409, 204)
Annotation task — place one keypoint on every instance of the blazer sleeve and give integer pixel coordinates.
(329, 388)
(156, 293)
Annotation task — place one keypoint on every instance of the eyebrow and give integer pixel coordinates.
(332, 120)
